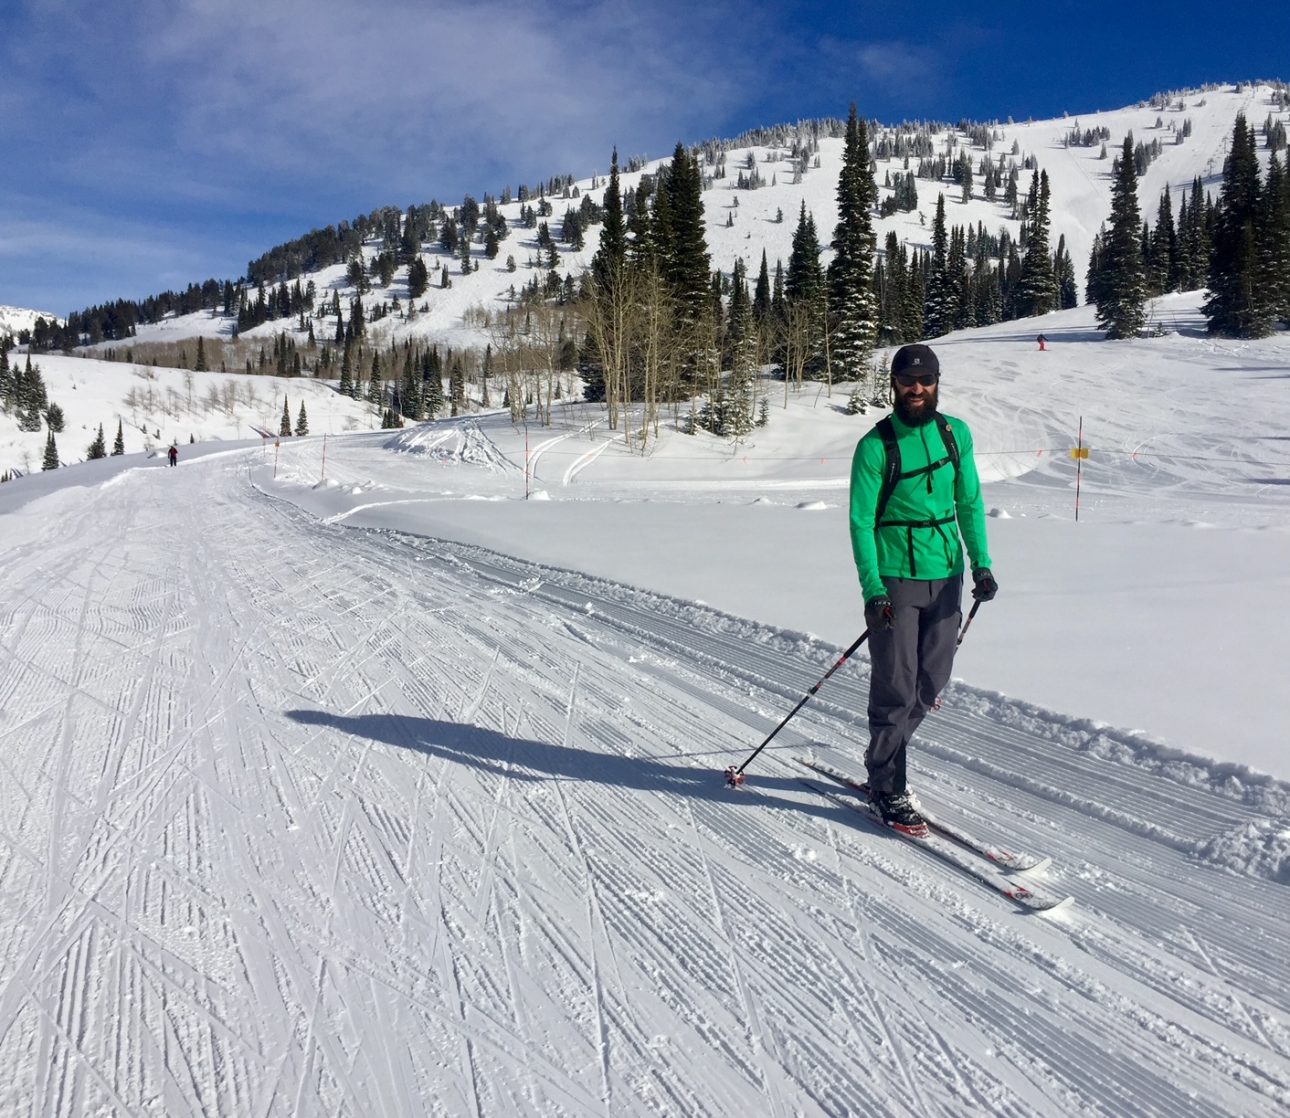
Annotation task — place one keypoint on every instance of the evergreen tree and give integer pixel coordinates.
(687, 265)
(8, 378)
(778, 300)
(410, 389)
(856, 402)
(891, 304)
(805, 291)
(50, 461)
(1274, 245)
(1196, 237)
(31, 399)
(804, 279)
(1121, 291)
(375, 384)
(486, 372)
(761, 295)
(302, 420)
(940, 310)
(1037, 290)
(607, 265)
(118, 446)
(738, 416)
(1064, 271)
(456, 387)
(960, 280)
(54, 418)
(200, 365)
(851, 294)
(418, 278)
(1093, 276)
(98, 448)
(1164, 247)
(965, 176)
(431, 384)
(915, 299)
(604, 351)
(346, 387)
(1239, 305)
(284, 428)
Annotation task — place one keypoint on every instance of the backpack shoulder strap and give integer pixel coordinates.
(891, 472)
(951, 444)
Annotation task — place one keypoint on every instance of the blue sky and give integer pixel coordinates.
(153, 143)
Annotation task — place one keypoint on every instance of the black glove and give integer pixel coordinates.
(878, 613)
(984, 588)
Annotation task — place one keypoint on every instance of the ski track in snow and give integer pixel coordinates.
(305, 819)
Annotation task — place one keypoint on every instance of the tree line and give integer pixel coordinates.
(1237, 247)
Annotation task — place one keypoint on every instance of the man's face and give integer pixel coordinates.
(916, 397)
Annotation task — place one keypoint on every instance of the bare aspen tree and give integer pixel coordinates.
(609, 311)
(544, 344)
(797, 331)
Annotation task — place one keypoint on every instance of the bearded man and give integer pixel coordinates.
(914, 489)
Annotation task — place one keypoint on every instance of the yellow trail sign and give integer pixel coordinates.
(1079, 452)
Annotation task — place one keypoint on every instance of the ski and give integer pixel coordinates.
(952, 854)
(1004, 859)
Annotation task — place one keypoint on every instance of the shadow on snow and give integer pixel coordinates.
(531, 761)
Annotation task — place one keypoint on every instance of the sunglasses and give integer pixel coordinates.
(908, 380)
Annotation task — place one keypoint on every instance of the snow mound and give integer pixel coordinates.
(812, 506)
(1259, 849)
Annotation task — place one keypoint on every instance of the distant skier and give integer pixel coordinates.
(914, 485)
(173, 454)
(1043, 343)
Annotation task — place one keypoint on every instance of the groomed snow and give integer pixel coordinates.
(390, 791)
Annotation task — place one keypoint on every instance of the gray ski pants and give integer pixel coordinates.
(908, 667)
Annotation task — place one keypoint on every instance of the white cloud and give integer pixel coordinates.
(412, 94)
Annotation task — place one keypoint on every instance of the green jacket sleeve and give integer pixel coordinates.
(969, 505)
(867, 466)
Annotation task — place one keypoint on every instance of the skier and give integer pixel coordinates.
(173, 454)
(1043, 343)
(914, 486)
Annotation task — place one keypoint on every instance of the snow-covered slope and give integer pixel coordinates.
(158, 406)
(744, 223)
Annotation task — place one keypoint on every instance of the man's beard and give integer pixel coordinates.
(917, 417)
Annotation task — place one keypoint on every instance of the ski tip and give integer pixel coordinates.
(1043, 906)
(1037, 866)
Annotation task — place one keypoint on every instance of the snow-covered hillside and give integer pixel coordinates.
(160, 406)
(14, 320)
(374, 788)
(744, 223)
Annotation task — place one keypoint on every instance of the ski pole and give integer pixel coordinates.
(976, 605)
(735, 776)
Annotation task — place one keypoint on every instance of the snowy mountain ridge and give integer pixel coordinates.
(15, 320)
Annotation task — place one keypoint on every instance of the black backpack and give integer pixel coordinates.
(892, 474)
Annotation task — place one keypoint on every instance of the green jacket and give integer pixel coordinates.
(901, 551)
